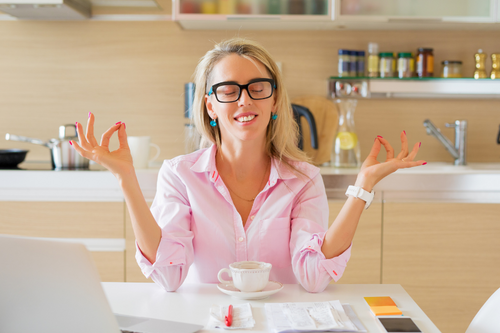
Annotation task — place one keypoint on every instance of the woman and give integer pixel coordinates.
(251, 195)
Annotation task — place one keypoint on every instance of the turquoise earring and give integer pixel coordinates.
(274, 116)
(213, 123)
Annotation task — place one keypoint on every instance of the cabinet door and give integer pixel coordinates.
(445, 255)
(446, 10)
(364, 265)
(82, 220)
(132, 271)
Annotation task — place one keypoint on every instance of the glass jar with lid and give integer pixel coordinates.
(451, 69)
(387, 64)
(344, 66)
(406, 65)
(425, 62)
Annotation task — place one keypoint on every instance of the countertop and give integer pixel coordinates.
(476, 182)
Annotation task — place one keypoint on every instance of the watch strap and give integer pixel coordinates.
(358, 192)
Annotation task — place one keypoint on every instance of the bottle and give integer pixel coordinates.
(373, 60)
(495, 66)
(425, 62)
(480, 58)
(227, 7)
(274, 7)
(353, 59)
(208, 7)
(345, 152)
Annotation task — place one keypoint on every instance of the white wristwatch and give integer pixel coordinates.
(358, 192)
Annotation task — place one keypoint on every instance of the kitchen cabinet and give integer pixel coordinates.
(445, 255)
(365, 263)
(97, 223)
(428, 10)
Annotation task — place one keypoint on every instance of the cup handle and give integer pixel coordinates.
(219, 276)
(157, 152)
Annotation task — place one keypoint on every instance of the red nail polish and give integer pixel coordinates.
(70, 143)
(419, 144)
(379, 136)
(89, 114)
(404, 132)
(118, 123)
(424, 163)
(76, 123)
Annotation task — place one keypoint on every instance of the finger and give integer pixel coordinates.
(388, 148)
(404, 146)
(411, 164)
(375, 148)
(83, 140)
(106, 136)
(122, 136)
(80, 150)
(90, 130)
(414, 152)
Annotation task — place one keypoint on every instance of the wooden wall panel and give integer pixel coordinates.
(111, 266)
(445, 256)
(364, 265)
(54, 73)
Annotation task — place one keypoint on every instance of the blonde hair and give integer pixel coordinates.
(282, 133)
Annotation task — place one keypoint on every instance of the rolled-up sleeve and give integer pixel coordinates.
(172, 212)
(309, 222)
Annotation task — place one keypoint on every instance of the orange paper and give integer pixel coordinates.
(383, 306)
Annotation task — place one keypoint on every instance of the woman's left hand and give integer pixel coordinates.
(372, 171)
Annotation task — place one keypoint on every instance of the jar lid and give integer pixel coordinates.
(404, 55)
(386, 54)
(425, 49)
(346, 52)
(446, 62)
(360, 53)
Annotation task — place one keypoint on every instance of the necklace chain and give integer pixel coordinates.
(261, 183)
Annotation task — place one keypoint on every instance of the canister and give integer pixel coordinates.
(344, 62)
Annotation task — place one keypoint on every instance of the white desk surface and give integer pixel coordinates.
(191, 302)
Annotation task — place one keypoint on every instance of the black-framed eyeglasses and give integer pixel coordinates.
(229, 92)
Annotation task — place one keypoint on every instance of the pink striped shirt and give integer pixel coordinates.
(202, 232)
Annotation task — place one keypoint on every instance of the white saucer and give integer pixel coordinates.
(272, 288)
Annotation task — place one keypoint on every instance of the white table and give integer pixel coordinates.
(191, 302)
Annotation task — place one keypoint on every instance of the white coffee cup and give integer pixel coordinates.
(248, 276)
(139, 148)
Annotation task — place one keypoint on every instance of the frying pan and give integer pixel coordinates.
(10, 158)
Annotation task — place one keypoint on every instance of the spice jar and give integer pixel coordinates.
(387, 64)
(425, 62)
(451, 69)
(406, 65)
(344, 63)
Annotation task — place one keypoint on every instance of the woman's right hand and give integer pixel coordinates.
(119, 161)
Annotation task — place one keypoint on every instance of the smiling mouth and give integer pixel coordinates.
(245, 119)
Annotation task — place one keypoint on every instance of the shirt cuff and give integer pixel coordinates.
(170, 253)
(335, 266)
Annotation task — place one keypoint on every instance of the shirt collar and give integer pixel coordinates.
(206, 163)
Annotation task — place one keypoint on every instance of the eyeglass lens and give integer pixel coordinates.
(256, 90)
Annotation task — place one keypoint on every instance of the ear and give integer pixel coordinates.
(210, 109)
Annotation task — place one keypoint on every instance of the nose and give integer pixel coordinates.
(244, 98)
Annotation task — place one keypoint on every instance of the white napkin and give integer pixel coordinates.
(242, 317)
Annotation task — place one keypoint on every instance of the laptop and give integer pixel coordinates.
(51, 286)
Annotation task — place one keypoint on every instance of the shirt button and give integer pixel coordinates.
(252, 217)
(241, 239)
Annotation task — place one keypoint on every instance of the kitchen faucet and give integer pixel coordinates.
(457, 151)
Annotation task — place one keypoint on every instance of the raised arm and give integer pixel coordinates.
(340, 234)
(119, 163)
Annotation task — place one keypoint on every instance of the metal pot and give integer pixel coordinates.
(63, 156)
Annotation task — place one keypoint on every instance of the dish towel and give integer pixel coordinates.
(242, 317)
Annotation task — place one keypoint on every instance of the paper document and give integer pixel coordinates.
(312, 317)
